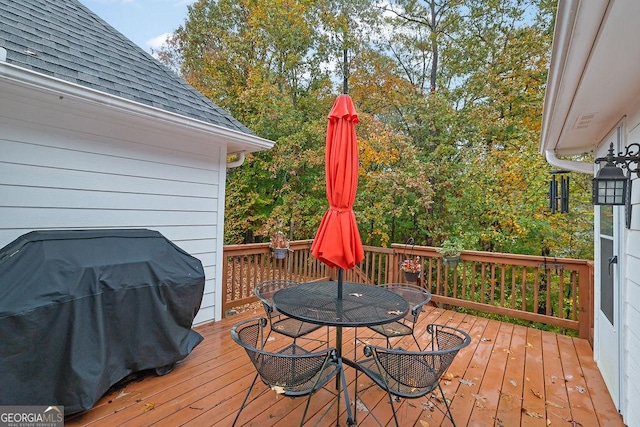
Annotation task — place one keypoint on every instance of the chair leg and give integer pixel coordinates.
(306, 408)
(450, 416)
(245, 400)
(393, 408)
(416, 340)
(350, 419)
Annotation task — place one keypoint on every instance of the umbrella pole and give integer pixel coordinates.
(339, 337)
(345, 64)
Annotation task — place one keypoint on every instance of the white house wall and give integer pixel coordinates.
(62, 167)
(631, 289)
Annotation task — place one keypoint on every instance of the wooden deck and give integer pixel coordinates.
(509, 376)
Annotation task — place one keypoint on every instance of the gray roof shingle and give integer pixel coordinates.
(64, 39)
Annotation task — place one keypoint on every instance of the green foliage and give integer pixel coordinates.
(449, 94)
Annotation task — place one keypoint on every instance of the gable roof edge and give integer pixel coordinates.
(19, 76)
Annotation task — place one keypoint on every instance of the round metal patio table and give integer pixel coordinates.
(360, 305)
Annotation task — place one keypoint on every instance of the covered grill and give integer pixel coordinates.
(81, 310)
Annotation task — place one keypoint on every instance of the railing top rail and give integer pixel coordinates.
(244, 247)
(496, 257)
(430, 251)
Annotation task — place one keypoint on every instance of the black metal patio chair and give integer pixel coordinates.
(417, 298)
(278, 322)
(414, 374)
(293, 371)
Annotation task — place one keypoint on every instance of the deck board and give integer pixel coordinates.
(509, 375)
(533, 402)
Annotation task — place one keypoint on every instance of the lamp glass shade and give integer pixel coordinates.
(610, 186)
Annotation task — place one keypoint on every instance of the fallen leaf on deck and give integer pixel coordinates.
(355, 294)
(580, 390)
(568, 378)
(360, 406)
(548, 422)
(479, 400)
(529, 345)
(510, 397)
(553, 379)
(427, 406)
(149, 406)
(557, 405)
(467, 382)
(424, 423)
(277, 389)
(122, 394)
(531, 413)
(448, 376)
(537, 394)
(271, 339)
(479, 397)
(396, 312)
(513, 382)
(483, 339)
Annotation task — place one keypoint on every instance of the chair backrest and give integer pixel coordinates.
(407, 372)
(292, 368)
(265, 291)
(415, 295)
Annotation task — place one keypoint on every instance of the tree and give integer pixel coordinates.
(450, 96)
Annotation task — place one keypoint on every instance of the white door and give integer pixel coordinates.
(609, 221)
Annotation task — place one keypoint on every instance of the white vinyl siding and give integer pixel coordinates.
(85, 172)
(631, 289)
(632, 344)
(632, 313)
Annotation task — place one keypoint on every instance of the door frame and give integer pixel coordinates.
(609, 336)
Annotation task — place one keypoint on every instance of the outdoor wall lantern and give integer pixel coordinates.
(612, 186)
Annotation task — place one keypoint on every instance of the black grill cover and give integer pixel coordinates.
(81, 310)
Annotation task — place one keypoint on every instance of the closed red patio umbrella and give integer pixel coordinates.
(337, 242)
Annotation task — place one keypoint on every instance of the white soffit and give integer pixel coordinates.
(594, 76)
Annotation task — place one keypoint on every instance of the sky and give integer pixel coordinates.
(146, 22)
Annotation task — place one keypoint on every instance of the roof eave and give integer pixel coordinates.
(235, 141)
(571, 50)
(593, 82)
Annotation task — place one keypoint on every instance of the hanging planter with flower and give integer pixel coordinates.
(279, 243)
(412, 268)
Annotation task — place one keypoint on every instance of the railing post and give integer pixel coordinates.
(585, 290)
(225, 284)
(392, 267)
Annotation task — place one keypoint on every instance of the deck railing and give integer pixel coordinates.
(551, 291)
(247, 265)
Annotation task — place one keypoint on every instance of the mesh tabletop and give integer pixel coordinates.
(361, 305)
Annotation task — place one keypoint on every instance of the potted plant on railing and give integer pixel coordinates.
(450, 252)
(412, 267)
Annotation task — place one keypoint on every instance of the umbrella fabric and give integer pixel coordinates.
(337, 242)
